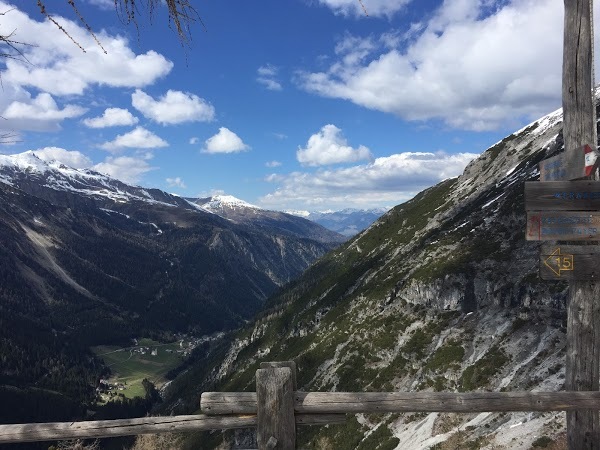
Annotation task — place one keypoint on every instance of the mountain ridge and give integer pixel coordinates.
(86, 260)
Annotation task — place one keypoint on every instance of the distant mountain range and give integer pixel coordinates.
(86, 259)
(347, 222)
(241, 212)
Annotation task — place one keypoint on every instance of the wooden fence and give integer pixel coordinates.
(277, 407)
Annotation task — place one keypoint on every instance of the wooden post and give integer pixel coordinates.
(290, 364)
(276, 427)
(583, 362)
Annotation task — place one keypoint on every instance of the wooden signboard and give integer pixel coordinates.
(563, 226)
(569, 262)
(569, 165)
(562, 196)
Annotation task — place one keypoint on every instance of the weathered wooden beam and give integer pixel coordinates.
(372, 402)
(369, 402)
(228, 403)
(276, 427)
(562, 196)
(290, 364)
(582, 361)
(31, 432)
(583, 311)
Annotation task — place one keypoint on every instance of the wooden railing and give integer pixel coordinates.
(277, 407)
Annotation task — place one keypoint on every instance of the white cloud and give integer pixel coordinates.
(328, 146)
(112, 117)
(71, 158)
(225, 141)
(372, 7)
(173, 107)
(124, 168)
(138, 138)
(194, 140)
(175, 182)
(273, 163)
(103, 4)
(40, 113)
(59, 67)
(472, 66)
(267, 76)
(386, 180)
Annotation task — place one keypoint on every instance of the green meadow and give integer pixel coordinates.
(130, 367)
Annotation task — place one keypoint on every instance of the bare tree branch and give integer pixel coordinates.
(12, 44)
(58, 25)
(182, 15)
(83, 21)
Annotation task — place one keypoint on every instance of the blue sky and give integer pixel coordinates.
(287, 104)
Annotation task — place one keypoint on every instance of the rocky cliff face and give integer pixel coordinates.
(441, 293)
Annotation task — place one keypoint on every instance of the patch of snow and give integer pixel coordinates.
(296, 212)
(492, 201)
(222, 201)
(24, 161)
(6, 180)
(509, 171)
(158, 230)
(199, 207)
(459, 226)
(110, 211)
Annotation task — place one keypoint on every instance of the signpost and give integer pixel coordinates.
(563, 225)
(569, 262)
(562, 167)
(563, 195)
(560, 208)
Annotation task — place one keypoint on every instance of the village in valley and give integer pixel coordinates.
(145, 359)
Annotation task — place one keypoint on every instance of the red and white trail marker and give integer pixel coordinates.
(590, 160)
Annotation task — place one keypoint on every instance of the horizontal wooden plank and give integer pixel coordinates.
(320, 419)
(32, 432)
(228, 403)
(562, 196)
(563, 226)
(366, 402)
(570, 262)
(397, 402)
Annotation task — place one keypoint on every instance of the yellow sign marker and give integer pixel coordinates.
(558, 263)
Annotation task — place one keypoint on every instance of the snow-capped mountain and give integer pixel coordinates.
(29, 173)
(239, 211)
(218, 203)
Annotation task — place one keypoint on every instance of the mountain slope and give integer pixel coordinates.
(88, 260)
(441, 293)
(239, 211)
